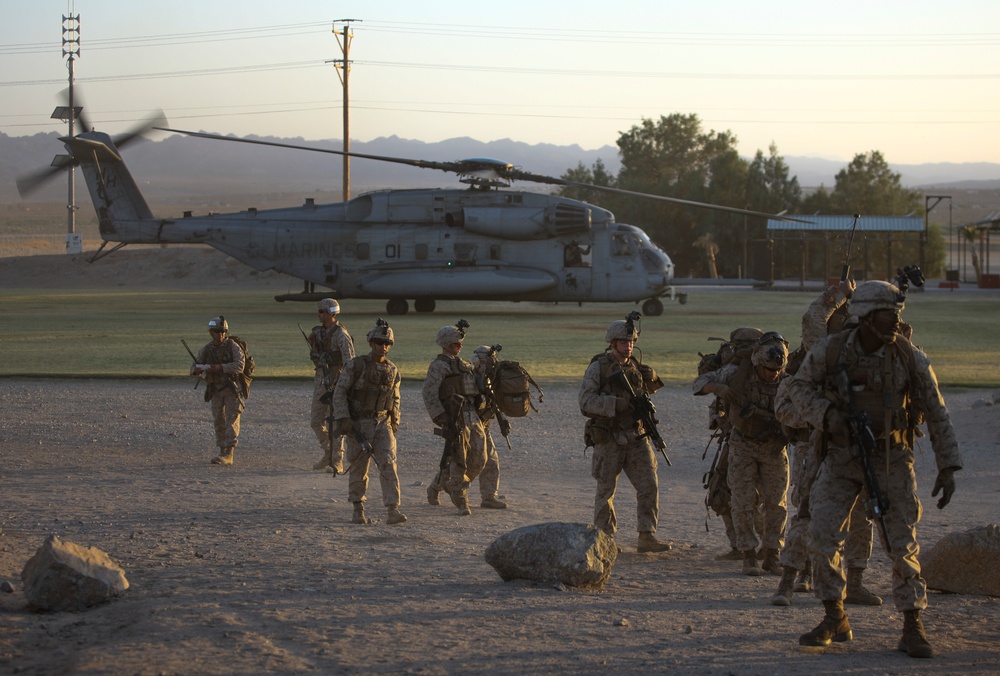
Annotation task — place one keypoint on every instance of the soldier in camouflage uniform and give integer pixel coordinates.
(893, 382)
(220, 362)
(739, 346)
(617, 437)
(483, 359)
(366, 406)
(330, 345)
(758, 462)
(453, 399)
(827, 314)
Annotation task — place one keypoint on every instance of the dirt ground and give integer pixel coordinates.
(257, 568)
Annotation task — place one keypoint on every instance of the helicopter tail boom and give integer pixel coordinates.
(121, 208)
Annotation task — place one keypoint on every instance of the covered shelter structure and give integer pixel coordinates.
(818, 247)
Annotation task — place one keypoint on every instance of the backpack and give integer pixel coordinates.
(511, 388)
(246, 375)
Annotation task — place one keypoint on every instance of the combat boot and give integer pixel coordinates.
(803, 582)
(856, 592)
(325, 461)
(834, 627)
(463, 505)
(732, 555)
(359, 514)
(432, 496)
(493, 503)
(750, 565)
(771, 564)
(914, 641)
(225, 456)
(783, 597)
(395, 516)
(649, 543)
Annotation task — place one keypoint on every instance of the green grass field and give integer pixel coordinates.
(115, 333)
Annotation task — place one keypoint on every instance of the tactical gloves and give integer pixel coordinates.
(724, 392)
(345, 425)
(944, 484)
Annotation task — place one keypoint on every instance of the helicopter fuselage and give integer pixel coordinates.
(421, 244)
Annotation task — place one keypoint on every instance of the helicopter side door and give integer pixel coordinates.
(576, 282)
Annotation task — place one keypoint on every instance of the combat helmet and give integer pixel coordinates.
(381, 330)
(770, 351)
(219, 322)
(484, 354)
(330, 305)
(875, 295)
(623, 329)
(449, 335)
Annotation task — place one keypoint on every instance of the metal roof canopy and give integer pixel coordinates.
(844, 223)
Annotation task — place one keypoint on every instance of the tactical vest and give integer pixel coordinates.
(323, 344)
(371, 393)
(753, 415)
(219, 354)
(608, 385)
(459, 385)
(890, 404)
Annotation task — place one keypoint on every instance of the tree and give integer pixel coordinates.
(868, 186)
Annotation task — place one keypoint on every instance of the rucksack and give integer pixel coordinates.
(511, 388)
(246, 375)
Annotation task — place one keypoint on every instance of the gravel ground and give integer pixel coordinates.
(257, 568)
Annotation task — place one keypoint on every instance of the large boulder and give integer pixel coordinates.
(573, 554)
(965, 563)
(66, 576)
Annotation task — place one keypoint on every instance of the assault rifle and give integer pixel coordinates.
(194, 360)
(860, 428)
(845, 271)
(645, 413)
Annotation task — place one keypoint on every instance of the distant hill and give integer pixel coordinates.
(182, 167)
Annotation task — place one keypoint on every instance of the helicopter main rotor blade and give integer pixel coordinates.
(538, 178)
(501, 169)
(424, 164)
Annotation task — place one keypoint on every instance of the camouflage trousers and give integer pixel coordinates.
(758, 471)
(468, 456)
(226, 410)
(857, 546)
(318, 413)
(638, 462)
(838, 487)
(378, 433)
(489, 477)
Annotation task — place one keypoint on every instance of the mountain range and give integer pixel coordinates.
(176, 167)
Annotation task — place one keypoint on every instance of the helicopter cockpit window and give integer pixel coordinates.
(620, 245)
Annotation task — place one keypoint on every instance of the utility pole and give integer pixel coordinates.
(343, 66)
(71, 51)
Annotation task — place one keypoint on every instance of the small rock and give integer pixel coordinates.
(6, 586)
(622, 622)
(981, 403)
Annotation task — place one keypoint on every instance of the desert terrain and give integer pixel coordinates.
(257, 568)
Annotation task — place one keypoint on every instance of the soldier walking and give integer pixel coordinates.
(366, 407)
(758, 461)
(855, 386)
(221, 362)
(452, 399)
(330, 345)
(619, 440)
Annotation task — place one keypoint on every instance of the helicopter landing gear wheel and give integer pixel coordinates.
(397, 306)
(652, 307)
(424, 305)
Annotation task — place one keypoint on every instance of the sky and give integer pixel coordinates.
(916, 81)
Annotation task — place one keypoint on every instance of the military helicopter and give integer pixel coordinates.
(485, 242)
